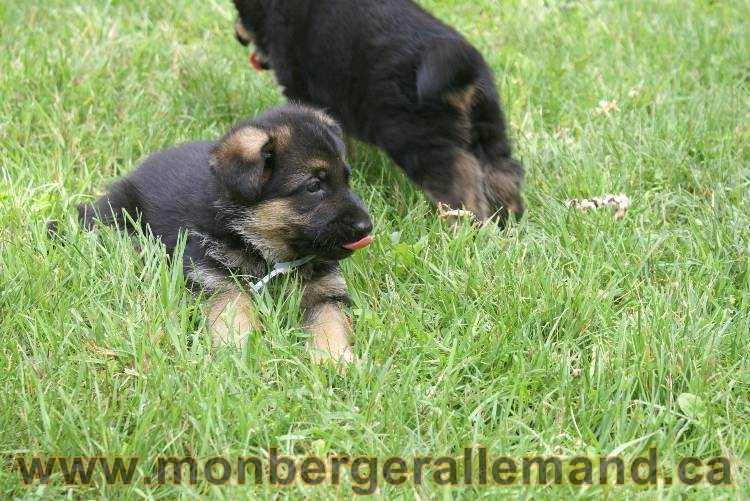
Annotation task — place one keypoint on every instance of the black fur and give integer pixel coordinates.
(396, 77)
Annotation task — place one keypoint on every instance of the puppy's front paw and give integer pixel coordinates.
(344, 357)
(231, 317)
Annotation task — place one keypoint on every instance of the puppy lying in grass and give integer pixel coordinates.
(272, 190)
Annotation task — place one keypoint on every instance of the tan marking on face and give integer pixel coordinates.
(318, 164)
(267, 227)
(245, 143)
(278, 215)
(231, 317)
(332, 333)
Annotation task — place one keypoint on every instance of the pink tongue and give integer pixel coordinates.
(361, 244)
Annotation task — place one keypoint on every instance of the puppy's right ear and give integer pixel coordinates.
(242, 161)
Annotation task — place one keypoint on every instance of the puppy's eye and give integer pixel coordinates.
(314, 186)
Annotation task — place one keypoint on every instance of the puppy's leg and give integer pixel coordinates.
(231, 318)
(503, 176)
(332, 332)
(502, 186)
(330, 327)
(450, 176)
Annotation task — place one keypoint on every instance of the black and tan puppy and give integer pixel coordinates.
(273, 190)
(396, 77)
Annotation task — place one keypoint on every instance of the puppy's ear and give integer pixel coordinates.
(332, 126)
(242, 161)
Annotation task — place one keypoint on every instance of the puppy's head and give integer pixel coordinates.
(286, 179)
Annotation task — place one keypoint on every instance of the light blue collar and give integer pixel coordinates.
(278, 269)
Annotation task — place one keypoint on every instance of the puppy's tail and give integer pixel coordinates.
(118, 208)
(447, 67)
(86, 216)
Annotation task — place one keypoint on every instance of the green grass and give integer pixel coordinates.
(565, 334)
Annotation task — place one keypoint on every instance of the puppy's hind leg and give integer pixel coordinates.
(502, 187)
(450, 176)
(503, 175)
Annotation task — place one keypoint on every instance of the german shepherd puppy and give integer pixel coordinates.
(396, 77)
(272, 190)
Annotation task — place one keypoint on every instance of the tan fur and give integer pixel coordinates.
(470, 178)
(466, 191)
(329, 325)
(331, 332)
(231, 317)
(276, 214)
(282, 136)
(315, 164)
(266, 226)
(503, 189)
(463, 99)
(246, 143)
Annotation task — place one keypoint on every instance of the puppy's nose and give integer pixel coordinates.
(363, 226)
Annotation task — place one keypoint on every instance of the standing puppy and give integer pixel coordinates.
(395, 76)
(273, 190)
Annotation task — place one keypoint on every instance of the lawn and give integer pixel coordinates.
(566, 334)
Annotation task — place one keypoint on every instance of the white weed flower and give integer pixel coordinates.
(606, 107)
(618, 204)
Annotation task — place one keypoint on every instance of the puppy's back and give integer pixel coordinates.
(170, 190)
